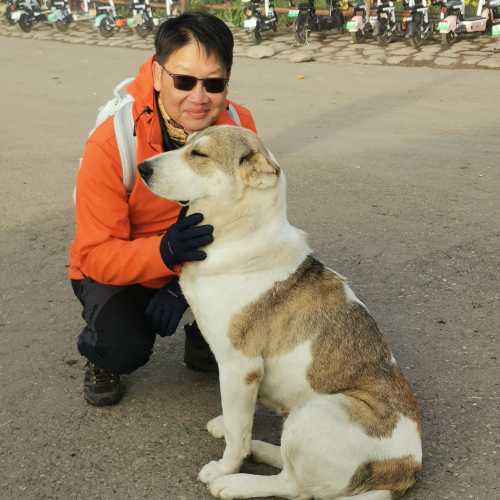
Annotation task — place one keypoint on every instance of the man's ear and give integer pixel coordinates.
(259, 170)
(157, 71)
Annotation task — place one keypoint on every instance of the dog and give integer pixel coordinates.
(286, 331)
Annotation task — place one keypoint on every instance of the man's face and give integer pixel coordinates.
(194, 109)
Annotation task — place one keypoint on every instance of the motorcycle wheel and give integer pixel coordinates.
(416, 39)
(301, 31)
(257, 36)
(8, 17)
(447, 39)
(25, 23)
(357, 36)
(107, 27)
(63, 25)
(384, 36)
(143, 30)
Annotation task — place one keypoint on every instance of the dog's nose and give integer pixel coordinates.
(146, 170)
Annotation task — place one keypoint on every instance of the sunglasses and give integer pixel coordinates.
(188, 82)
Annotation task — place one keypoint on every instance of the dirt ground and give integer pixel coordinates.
(393, 172)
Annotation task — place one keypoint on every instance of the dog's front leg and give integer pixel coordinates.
(239, 385)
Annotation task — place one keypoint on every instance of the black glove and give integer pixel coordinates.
(183, 240)
(166, 308)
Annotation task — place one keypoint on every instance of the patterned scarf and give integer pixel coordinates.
(175, 131)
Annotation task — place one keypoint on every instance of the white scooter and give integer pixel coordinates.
(363, 21)
(454, 24)
(257, 21)
(415, 21)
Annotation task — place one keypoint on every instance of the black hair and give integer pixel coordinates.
(207, 30)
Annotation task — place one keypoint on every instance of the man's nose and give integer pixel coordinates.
(198, 94)
(146, 170)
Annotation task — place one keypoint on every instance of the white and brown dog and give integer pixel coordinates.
(286, 331)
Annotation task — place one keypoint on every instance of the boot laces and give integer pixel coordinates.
(102, 376)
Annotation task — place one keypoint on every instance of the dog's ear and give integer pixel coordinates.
(259, 170)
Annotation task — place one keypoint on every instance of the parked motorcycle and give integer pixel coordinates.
(142, 19)
(415, 22)
(454, 24)
(11, 7)
(30, 12)
(107, 20)
(362, 23)
(308, 21)
(388, 27)
(60, 14)
(257, 21)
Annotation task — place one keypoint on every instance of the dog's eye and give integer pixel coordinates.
(246, 157)
(195, 152)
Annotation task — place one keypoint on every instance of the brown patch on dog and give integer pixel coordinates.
(281, 318)
(352, 357)
(253, 377)
(349, 354)
(396, 475)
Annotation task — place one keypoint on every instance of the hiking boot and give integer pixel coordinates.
(197, 353)
(101, 387)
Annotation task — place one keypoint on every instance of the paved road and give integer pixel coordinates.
(327, 47)
(394, 174)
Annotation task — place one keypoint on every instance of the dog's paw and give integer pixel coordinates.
(216, 427)
(211, 471)
(229, 487)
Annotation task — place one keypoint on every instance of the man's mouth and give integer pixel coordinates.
(201, 113)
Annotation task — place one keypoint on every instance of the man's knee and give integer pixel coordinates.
(121, 355)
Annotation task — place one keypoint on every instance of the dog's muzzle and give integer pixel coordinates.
(146, 170)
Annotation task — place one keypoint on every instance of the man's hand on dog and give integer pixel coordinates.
(166, 308)
(183, 240)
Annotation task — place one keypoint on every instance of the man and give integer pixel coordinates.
(129, 247)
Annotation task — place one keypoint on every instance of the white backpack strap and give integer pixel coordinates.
(123, 120)
(234, 114)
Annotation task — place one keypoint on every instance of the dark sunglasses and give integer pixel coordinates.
(188, 82)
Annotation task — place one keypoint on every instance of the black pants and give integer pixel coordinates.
(116, 336)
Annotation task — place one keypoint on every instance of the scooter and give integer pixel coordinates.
(142, 19)
(415, 22)
(362, 23)
(30, 12)
(60, 14)
(257, 21)
(107, 20)
(454, 24)
(308, 21)
(388, 27)
(11, 7)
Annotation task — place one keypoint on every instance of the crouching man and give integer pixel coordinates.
(129, 247)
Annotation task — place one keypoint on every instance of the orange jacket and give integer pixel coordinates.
(117, 237)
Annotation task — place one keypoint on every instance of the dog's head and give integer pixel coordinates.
(218, 166)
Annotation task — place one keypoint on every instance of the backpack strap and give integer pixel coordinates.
(123, 121)
(234, 114)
